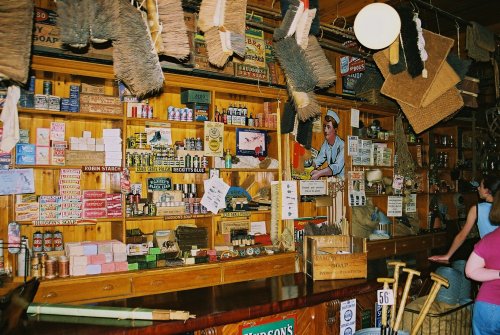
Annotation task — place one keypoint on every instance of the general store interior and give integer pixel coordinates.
(168, 166)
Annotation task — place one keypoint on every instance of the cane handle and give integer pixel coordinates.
(406, 290)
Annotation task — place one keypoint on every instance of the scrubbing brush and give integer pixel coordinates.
(290, 20)
(135, 61)
(234, 24)
(306, 104)
(298, 71)
(174, 33)
(73, 22)
(217, 49)
(322, 68)
(211, 14)
(102, 15)
(303, 27)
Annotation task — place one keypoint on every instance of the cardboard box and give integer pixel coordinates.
(335, 257)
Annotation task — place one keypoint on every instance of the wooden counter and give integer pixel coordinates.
(222, 308)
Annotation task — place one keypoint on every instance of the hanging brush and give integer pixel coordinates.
(174, 35)
(73, 22)
(155, 28)
(290, 20)
(306, 104)
(135, 61)
(234, 23)
(322, 68)
(15, 47)
(303, 27)
(102, 15)
(217, 47)
(211, 14)
(298, 71)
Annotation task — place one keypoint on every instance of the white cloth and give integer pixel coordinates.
(10, 119)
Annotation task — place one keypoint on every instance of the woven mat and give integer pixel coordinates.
(423, 118)
(419, 91)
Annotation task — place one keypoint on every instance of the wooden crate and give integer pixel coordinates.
(323, 262)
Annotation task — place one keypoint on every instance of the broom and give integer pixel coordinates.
(290, 20)
(16, 43)
(298, 70)
(322, 68)
(174, 34)
(73, 22)
(101, 16)
(135, 61)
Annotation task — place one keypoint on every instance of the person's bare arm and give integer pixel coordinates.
(325, 172)
(460, 237)
(475, 269)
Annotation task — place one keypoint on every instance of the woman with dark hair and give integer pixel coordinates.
(484, 266)
(479, 213)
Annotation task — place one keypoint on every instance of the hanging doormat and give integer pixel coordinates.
(16, 30)
(420, 92)
(423, 118)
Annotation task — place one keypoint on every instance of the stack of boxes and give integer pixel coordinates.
(94, 204)
(93, 100)
(86, 258)
(140, 257)
(112, 146)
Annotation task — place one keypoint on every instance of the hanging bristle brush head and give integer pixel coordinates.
(217, 50)
(289, 21)
(174, 33)
(304, 26)
(322, 68)
(207, 14)
(73, 22)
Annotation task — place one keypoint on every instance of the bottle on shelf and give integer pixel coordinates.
(227, 160)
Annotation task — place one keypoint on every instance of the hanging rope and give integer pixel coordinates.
(404, 166)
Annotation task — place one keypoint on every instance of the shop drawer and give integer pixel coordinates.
(440, 240)
(167, 280)
(63, 291)
(268, 266)
(381, 249)
(413, 244)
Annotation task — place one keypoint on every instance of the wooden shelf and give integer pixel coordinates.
(168, 217)
(247, 170)
(72, 115)
(374, 166)
(234, 126)
(164, 123)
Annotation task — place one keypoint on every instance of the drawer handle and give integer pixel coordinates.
(404, 245)
(50, 295)
(156, 282)
(108, 287)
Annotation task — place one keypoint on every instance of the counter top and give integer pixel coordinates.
(213, 306)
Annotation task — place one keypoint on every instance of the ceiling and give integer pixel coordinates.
(485, 12)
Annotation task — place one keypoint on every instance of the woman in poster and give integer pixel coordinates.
(331, 151)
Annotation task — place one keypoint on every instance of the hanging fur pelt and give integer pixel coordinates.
(16, 29)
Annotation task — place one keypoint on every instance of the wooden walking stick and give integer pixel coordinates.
(383, 322)
(402, 304)
(397, 266)
(438, 282)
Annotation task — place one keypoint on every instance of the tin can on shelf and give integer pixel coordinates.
(57, 241)
(47, 241)
(37, 241)
(47, 87)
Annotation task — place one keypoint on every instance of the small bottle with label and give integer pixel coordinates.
(227, 160)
